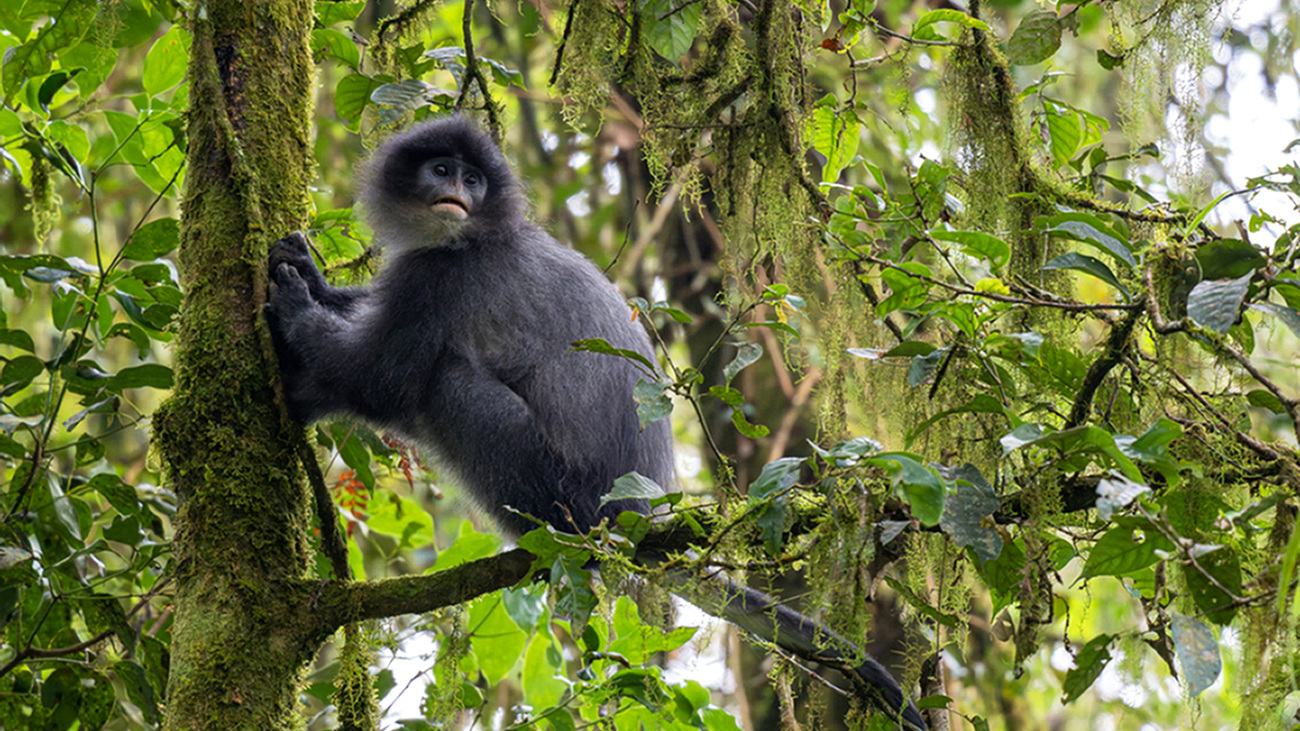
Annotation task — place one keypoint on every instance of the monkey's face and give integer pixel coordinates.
(451, 188)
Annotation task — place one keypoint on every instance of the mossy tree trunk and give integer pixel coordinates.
(241, 636)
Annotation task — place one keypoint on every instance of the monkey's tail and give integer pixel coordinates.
(762, 616)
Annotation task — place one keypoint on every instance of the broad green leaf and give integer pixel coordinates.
(923, 490)
(153, 240)
(1065, 132)
(470, 545)
(632, 486)
(149, 375)
(1288, 316)
(329, 12)
(399, 516)
(1036, 38)
(543, 680)
(1228, 259)
(1091, 266)
(164, 65)
(906, 292)
(1088, 229)
(747, 353)
(637, 641)
(776, 477)
(652, 401)
(1130, 546)
(599, 345)
(496, 640)
(1198, 653)
(336, 44)
(833, 133)
(964, 512)
(352, 94)
(1088, 664)
(1214, 304)
(924, 24)
(977, 244)
(1225, 566)
(670, 26)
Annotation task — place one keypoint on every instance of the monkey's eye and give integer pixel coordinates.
(440, 169)
(471, 180)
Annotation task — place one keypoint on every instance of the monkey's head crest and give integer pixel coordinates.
(395, 183)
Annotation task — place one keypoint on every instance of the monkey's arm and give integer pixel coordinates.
(321, 361)
(295, 251)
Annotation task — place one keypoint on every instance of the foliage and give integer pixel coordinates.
(1044, 376)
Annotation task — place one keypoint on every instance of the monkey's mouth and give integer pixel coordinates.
(452, 205)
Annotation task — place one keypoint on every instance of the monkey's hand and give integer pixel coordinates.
(293, 251)
(290, 299)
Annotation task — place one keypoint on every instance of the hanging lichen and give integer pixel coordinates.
(1164, 45)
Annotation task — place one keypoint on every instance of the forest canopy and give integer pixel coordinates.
(976, 324)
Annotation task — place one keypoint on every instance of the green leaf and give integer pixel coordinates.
(1198, 653)
(918, 486)
(1288, 316)
(1091, 266)
(1228, 259)
(599, 345)
(352, 94)
(153, 240)
(652, 401)
(470, 545)
(833, 133)
(543, 680)
(18, 339)
(908, 349)
(1088, 664)
(336, 44)
(1088, 229)
(399, 516)
(1036, 38)
(906, 292)
(1128, 547)
(497, 642)
(1065, 131)
(670, 26)
(1265, 400)
(776, 477)
(964, 513)
(1214, 304)
(1225, 568)
(633, 486)
(20, 371)
(1109, 61)
(51, 85)
(164, 65)
(329, 12)
(149, 375)
(747, 353)
(637, 641)
(922, 29)
(977, 244)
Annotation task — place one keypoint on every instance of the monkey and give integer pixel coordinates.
(462, 344)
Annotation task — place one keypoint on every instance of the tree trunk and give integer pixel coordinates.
(241, 638)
